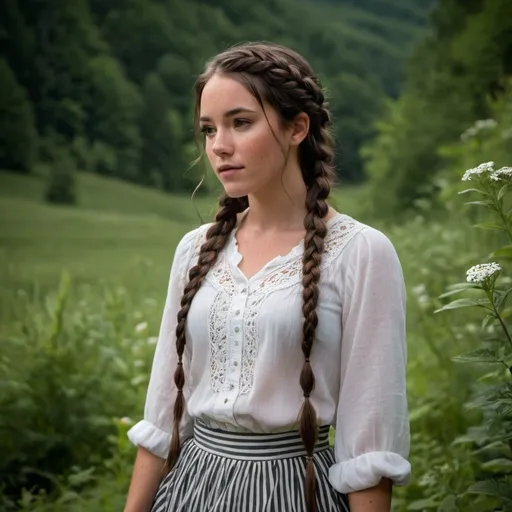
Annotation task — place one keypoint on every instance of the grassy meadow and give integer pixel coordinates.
(81, 292)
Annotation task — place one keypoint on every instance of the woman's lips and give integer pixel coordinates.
(228, 172)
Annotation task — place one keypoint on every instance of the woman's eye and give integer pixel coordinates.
(207, 130)
(240, 123)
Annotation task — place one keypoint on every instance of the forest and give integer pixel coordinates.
(96, 145)
(106, 86)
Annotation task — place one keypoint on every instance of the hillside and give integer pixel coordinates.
(117, 230)
(111, 85)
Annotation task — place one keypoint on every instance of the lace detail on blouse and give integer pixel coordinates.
(340, 230)
(218, 322)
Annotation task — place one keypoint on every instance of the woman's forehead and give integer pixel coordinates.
(223, 94)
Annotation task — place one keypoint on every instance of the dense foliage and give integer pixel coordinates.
(75, 359)
(452, 80)
(111, 82)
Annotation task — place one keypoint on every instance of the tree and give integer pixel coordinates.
(450, 79)
(61, 186)
(113, 106)
(18, 136)
(161, 151)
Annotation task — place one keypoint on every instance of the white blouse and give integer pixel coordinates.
(243, 353)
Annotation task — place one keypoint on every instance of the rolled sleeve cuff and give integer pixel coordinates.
(366, 471)
(146, 435)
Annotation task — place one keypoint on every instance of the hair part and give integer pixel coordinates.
(283, 79)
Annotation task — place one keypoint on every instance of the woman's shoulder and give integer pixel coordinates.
(357, 239)
(192, 240)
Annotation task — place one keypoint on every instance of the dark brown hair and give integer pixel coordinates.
(284, 80)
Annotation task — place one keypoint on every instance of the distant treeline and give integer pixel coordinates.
(460, 74)
(106, 85)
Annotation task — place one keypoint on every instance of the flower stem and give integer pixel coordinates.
(499, 209)
(493, 308)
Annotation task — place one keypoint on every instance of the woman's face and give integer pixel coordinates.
(240, 145)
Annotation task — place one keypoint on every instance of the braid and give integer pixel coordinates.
(316, 229)
(216, 239)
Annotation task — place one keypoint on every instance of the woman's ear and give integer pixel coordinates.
(299, 128)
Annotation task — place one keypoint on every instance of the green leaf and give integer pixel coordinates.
(504, 252)
(489, 225)
(486, 320)
(502, 191)
(498, 465)
(462, 440)
(487, 204)
(423, 504)
(420, 412)
(449, 504)
(463, 303)
(482, 355)
(501, 299)
(499, 488)
(459, 287)
(473, 190)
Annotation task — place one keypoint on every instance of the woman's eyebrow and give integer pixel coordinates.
(230, 113)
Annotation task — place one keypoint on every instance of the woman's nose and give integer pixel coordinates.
(222, 145)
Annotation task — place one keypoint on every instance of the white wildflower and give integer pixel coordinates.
(504, 172)
(472, 328)
(142, 326)
(479, 273)
(486, 167)
(481, 124)
(152, 340)
(420, 292)
(126, 421)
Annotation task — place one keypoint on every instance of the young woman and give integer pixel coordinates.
(283, 317)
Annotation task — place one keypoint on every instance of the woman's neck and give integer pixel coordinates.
(280, 206)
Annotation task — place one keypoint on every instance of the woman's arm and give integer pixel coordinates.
(147, 474)
(152, 435)
(374, 499)
(372, 425)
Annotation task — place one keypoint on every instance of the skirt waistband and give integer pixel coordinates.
(250, 446)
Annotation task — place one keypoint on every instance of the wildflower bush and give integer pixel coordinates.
(70, 373)
(491, 439)
(449, 449)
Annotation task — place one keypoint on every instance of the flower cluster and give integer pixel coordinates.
(479, 273)
(482, 124)
(504, 172)
(486, 167)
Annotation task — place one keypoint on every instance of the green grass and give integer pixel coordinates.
(119, 234)
(96, 193)
(117, 245)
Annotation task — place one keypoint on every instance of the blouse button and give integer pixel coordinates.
(236, 363)
(237, 329)
(244, 290)
(236, 343)
(237, 312)
(225, 400)
(231, 386)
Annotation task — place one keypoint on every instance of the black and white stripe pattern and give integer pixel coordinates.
(221, 471)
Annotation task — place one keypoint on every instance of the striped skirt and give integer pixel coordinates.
(220, 471)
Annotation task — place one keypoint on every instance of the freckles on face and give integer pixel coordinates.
(238, 134)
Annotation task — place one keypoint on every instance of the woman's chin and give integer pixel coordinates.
(235, 192)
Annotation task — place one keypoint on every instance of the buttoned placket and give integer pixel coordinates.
(231, 387)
